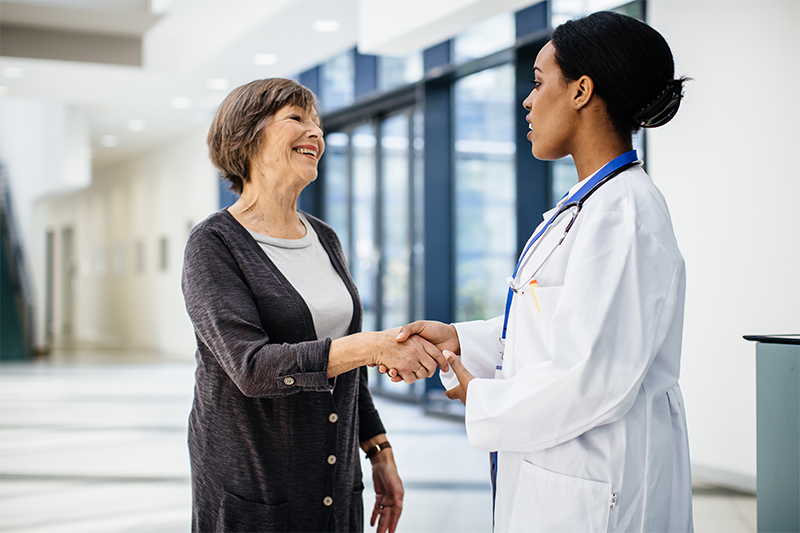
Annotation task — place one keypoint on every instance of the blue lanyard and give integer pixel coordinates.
(608, 169)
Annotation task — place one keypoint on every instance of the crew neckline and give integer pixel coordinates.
(302, 242)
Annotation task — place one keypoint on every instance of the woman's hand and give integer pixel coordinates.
(388, 490)
(443, 336)
(414, 359)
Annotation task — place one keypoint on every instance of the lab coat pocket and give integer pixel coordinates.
(543, 301)
(549, 501)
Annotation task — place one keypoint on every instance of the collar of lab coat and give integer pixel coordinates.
(572, 191)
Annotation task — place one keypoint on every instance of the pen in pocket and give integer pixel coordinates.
(533, 285)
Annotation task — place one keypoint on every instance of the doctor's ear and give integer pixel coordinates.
(583, 89)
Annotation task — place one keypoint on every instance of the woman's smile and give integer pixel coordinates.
(306, 150)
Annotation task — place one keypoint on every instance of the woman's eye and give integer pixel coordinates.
(536, 84)
(295, 117)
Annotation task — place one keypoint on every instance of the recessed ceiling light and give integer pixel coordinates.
(137, 125)
(181, 103)
(13, 72)
(325, 26)
(217, 84)
(109, 141)
(265, 59)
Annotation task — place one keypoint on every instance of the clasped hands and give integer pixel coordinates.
(440, 342)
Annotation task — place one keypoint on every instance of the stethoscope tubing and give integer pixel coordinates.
(611, 169)
(578, 205)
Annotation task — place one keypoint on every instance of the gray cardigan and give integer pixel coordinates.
(272, 449)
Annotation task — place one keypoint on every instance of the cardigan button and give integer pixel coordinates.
(331, 459)
(327, 501)
(332, 418)
(288, 381)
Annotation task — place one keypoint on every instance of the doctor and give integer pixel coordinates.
(576, 385)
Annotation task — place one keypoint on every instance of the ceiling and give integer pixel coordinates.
(49, 49)
(142, 72)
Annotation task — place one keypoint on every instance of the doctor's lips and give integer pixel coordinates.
(306, 150)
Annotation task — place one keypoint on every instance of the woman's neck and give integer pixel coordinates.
(269, 206)
(593, 156)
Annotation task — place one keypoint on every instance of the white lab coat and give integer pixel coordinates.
(586, 413)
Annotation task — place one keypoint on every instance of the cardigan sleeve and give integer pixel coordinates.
(226, 319)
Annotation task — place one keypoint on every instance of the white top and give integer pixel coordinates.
(586, 413)
(305, 263)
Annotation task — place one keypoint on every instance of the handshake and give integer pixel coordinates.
(418, 349)
(407, 354)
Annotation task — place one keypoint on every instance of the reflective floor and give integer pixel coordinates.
(95, 441)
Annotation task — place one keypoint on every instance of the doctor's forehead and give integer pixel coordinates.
(545, 59)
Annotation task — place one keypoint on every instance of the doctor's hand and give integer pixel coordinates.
(410, 359)
(464, 377)
(443, 336)
(413, 359)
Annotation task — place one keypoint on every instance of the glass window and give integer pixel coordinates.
(337, 83)
(396, 224)
(485, 191)
(396, 71)
(365, 255)
(563, 177)
(337, 186)
(487, 37)
(564, 10)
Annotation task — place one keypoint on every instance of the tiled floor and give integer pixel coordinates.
(96, 442)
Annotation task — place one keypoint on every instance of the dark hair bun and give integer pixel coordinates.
(630, 64)
(663, 108)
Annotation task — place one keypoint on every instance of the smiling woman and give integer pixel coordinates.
(281, 401)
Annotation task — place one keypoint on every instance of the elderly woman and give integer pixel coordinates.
(281, 401)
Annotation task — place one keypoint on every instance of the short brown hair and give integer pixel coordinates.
(234, 138)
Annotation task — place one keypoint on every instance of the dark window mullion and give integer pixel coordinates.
(411, 208)
(378, 213)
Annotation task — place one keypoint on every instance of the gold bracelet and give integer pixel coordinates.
(375, 450)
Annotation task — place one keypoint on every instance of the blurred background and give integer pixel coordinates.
(429, 182)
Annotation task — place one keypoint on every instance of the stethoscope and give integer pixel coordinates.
(574, 204)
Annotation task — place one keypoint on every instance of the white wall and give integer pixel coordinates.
(46, 148)
(727, 165)
(121, 299)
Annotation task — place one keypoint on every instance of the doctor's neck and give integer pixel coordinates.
(598, 149)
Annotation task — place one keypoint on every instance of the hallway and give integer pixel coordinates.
(95, 441)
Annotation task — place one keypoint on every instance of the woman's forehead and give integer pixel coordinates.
(546, 58)
(310, 110)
